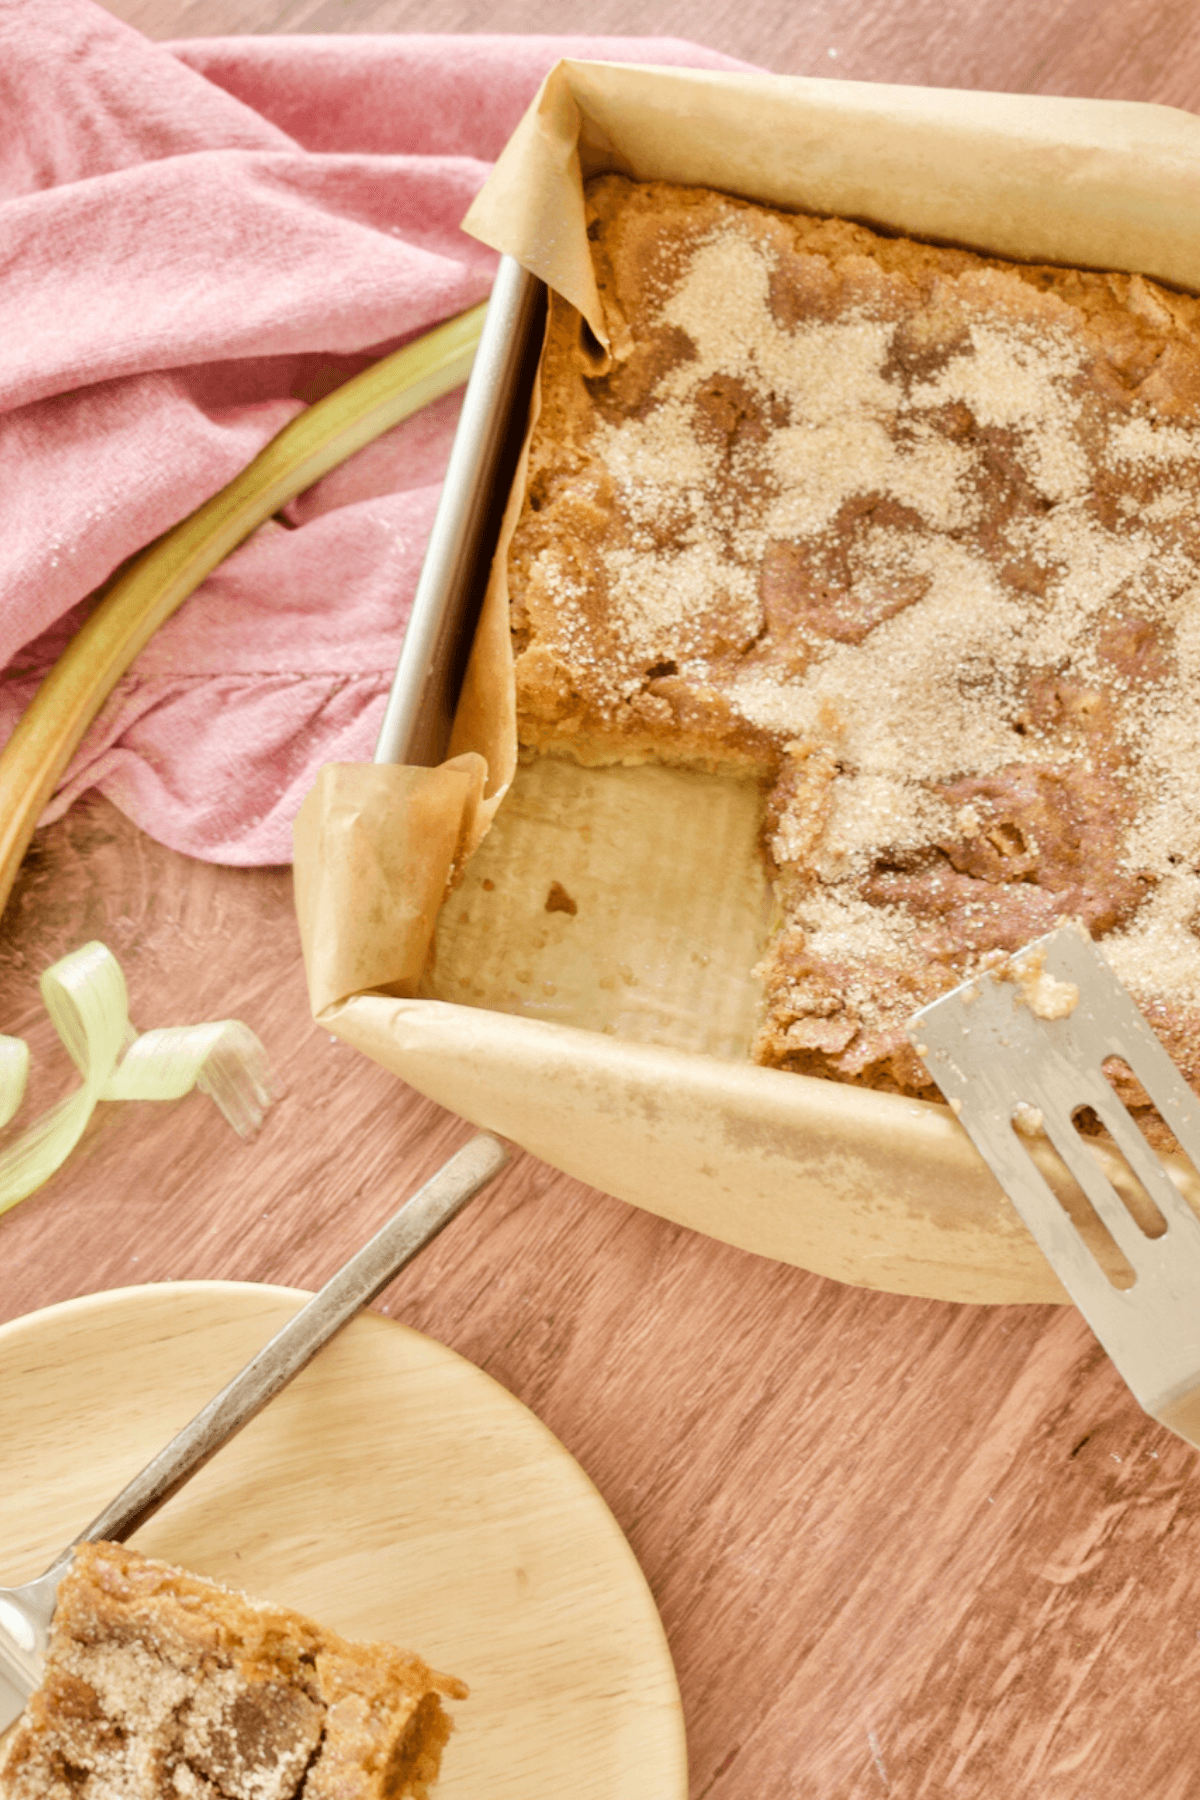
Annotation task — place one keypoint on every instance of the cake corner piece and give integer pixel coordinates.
(161, 1685)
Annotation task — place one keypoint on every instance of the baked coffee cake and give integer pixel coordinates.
(912, 534)
(161, 1686)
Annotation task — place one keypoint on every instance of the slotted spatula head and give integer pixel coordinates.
(1029, 1041)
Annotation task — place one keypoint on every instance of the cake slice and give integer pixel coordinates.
(162, 1686)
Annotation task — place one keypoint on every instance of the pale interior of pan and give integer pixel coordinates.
(672, 906)
(628, 900)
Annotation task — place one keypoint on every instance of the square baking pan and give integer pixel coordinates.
(870, 1187)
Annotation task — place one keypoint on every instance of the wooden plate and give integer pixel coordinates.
(392, 1491)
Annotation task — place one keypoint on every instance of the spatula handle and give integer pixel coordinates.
(367, 1274)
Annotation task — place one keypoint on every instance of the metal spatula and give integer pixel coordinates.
(1029, 1043)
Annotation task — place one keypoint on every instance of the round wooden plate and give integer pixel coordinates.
(392, 1491)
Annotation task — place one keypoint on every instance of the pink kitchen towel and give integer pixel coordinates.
(196, 240)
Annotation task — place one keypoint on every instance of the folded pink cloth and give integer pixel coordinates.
(196, 239)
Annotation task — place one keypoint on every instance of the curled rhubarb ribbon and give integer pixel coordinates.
(86, 998)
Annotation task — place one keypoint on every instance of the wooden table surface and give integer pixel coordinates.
(900, 1548)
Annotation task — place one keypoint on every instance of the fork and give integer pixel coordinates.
(26, 1612)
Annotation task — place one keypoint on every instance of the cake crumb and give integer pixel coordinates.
(1044, 995)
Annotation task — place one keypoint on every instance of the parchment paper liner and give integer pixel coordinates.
(869, 1188)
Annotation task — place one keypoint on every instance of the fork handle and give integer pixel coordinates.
(367, 1274)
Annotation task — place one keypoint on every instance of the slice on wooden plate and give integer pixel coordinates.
(393, 1491)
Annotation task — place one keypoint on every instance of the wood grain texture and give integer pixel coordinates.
(391, 1492)
(900, 1548)
(1112, 49)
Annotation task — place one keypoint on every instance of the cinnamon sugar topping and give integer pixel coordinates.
(915, 535)
(162, 1686)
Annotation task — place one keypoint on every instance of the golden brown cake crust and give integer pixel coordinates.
(915, 535)
(163, 1686)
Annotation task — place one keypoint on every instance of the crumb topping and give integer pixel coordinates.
(916, 535)
(162, 1686)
